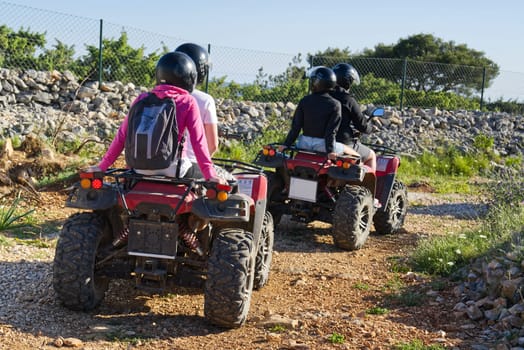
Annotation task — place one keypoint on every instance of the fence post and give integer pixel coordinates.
(404, 70)
(100, 56)
(311, 61)
(482, 88)
(207, 75)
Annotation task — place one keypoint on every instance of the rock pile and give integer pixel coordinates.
(55, 104)
(492, 294)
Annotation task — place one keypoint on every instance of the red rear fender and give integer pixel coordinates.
(309, 160)
(252, 185)
(160, 193)
(387, 165)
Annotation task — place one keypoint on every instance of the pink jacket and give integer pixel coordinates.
(187, 116)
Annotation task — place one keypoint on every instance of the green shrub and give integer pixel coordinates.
(504, 220)
(11, 217)
(417, 345)
(336, 338)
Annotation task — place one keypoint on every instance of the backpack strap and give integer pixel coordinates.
(179, 155)
(180, 148)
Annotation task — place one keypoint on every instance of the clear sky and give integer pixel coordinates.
(302, 26)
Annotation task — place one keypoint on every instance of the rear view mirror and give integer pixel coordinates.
(378, 112)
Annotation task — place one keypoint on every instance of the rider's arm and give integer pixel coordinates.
(360, 121)
(116, 147)
(335, 117)
(211, 131)
(296, 126)
(188, 116)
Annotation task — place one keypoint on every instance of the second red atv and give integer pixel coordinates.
(308, 186)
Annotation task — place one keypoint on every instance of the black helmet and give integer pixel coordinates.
(178, 69)
(321, 79)
(199, 55)
(346, 75)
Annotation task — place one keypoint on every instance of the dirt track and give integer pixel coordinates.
(317, 294)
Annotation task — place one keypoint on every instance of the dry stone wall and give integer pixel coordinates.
(55, 103)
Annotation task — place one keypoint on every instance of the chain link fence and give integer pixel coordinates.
(100, 51)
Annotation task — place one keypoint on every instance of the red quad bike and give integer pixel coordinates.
(308, 186)
(164, 231)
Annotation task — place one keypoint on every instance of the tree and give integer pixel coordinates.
(329, 57)
(436, 65)
(17, 49)
(59, 58)
(120, 62)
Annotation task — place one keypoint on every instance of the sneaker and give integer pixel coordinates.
(377, 204)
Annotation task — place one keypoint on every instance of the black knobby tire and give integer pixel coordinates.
(390, 218)
(230, 276)
(74, 279)
(264, 252)
(352, 217)
(275, 186)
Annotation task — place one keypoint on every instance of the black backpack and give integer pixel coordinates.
(152, 134)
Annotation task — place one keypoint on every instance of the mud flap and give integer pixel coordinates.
(384, 186)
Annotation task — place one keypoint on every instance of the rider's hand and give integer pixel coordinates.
(218, 180)
(332, 156)
(281, 148)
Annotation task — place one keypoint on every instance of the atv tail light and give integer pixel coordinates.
(211, 193)
(268, 151)
(97, 184)
(344, 163)
(222, 196)
(85, 183)
(220, 192)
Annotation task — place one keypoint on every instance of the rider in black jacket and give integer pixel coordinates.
(318, 116)
(352, 117)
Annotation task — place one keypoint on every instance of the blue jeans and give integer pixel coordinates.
(317, 144)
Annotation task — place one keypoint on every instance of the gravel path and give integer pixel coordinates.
(316, 295)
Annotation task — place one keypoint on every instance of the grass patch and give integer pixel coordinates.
(5, 241)
(444, 254)
(361, 286)
(38, 243)
(399, 264)
(377, 310)
(500, 229)
(11, 217)
(394, 284)
(336, 338)
(408, 298)
(65, 177)
(277, 328)
(135, 340)
(417, 345)
(438, 284)
(449, 168)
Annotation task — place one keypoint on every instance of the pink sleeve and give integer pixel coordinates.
(188, 116)
(116, 147)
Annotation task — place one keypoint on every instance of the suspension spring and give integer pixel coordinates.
(191, 240)
(122, 237)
